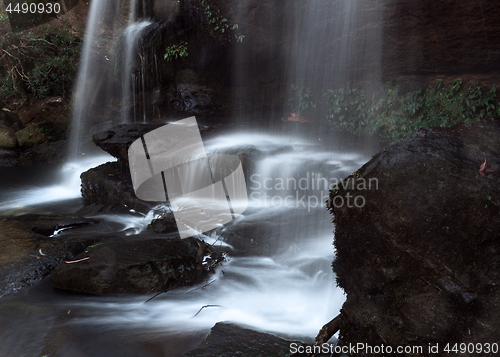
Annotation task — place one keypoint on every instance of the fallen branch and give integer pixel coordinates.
(327, 331)
(76, 261)
(201, 287)
(205, 307)
(151, 298)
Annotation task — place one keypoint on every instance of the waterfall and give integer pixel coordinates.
(131, 38)
(278, 277)
(95, 88)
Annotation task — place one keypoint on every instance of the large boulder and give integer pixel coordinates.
(32, 135)
(228, 340)
(109, 185)
(136, 265)
(118, 139)
(416, 233)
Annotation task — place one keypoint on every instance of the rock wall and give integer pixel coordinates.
(427, 39)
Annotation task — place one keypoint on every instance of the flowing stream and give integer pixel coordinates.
(284, 282)
(288, 288)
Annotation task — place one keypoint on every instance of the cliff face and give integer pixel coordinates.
(423, 40)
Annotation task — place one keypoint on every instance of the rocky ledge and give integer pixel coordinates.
(418, 255)
(29, 250)
(137, 265)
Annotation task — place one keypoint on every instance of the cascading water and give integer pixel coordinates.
(131, 38)
(92, 89)
(284, 282)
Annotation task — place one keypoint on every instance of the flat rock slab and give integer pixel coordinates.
(230, 340)
(137, 266)
(418, 254)
(28, 253)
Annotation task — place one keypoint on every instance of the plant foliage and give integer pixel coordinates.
(212, 24)
(395, 115)
(301, 99)
(174, 51)
(39, 62)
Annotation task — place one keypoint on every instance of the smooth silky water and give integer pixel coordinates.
(284, 286)
(290, 290)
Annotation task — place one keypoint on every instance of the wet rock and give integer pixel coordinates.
(28, 253)
(133, 265)
(426, 39)
(195, 99)
(31, 135)
(8, 139)
(8, 158)
(229, 340)
(166, 10)
(419, 256)
(50, 152)
(10, 119)
(165, 223)
(118, 139)
(109, 185)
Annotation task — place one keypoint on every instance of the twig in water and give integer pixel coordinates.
(205, 307)
(151, 298)
(201, 287)
(76, 261)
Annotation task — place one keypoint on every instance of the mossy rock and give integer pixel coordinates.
(8, 138)
(31, 135)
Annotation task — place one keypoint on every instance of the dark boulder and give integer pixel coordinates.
(229, 340)
(195, 99)
(418, 253)
(51, 152)
(109, 185)
(136, 265)
(28, 253)
(10, 119)
(8, 139)
(118, 139)
(8, 158)
(165, 221)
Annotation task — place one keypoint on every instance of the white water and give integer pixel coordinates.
(66, 186)
(88, 78)
(290, 292)
(132, 36)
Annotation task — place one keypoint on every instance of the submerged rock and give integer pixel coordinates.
(138, 266)
(8, 158)
(418, 254)
(229, 340)
(28, 253)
